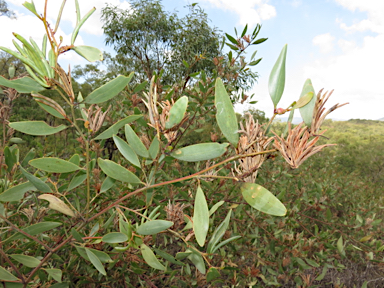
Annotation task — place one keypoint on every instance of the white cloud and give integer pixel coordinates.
(356, 77)
(375, 12)
(324, 41)
(345, 45)
(250, 12)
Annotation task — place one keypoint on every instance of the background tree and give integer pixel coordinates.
(148, 39)
(4, 11)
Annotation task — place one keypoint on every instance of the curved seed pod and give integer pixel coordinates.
(51, 103)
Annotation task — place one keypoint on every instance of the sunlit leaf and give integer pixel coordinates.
(114, 237)
(150, 257)
(225, 113)
(154, 148)
(117, 171)
(200, 217)
(126, 151)
(17, 192)
(28, 261)
(6, 276)
(114, 129)
(56, 274)
(263, 200)
(307, 111)
(168, 257)
(22, 85)
(37, 128)
(276, 81)
(198, 261)
(34, 230)
(177, 112)
(135, 142)
(77, 181)
(108, 90)
(95, 261)
(90, 53)
(303, 100)
(54, 165)
(37, 182)
(152, 227)
(200, 152)
(218, 233)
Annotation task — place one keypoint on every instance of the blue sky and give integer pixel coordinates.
(339, 44)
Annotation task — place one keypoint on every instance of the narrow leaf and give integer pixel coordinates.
(56, 274)
(230, 38)
(6, 276)
(90, 53)
(167, 257)
(54, 165)
(114, 129)
(263, 200)
(154, 148)
(200, 217)
(200, 152)
(307, 111)
(107, 184)
(135, 142)
(259, 41)
(31, 7)
(37, 182)
(22, 85)
(225, 114)
(177, 112)
(80, 22)
(153, 227)
(219, 233)
(140, 87)
(150, 257)
(108, 90)
(226, 241)
(95, 261)
(215, 207)
(303, 100)
(276, 81)
(126, 151)
(77, 181)
(17, 192)
(244, 30)
(118, 172)
(37, 128)
(34, 230)
(114, 237)
(198, 261)
(28, 261)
